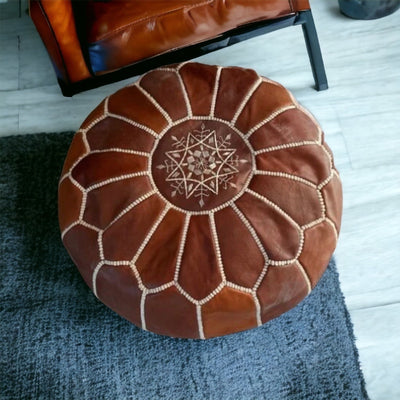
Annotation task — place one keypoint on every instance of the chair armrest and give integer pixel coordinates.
(54, 20)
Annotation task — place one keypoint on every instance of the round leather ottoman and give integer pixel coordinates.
(200, 201)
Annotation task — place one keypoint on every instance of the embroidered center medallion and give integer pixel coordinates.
(199, 165)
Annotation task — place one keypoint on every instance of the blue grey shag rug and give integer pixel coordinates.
(59, 342)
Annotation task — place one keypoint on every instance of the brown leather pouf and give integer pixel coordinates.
(200, 201)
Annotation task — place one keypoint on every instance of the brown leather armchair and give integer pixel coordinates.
(92, 42)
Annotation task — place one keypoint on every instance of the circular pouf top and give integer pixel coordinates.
(200, 201)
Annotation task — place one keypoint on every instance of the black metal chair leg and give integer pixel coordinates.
(306, 20)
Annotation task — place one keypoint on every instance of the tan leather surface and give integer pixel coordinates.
(278, 235)
(230, 230)
(151, 258)
(229, 311)
(172, 314)
(61, 24)
(143, 29)
(202, 210)
(82, 245)
(127, 300)
(76, 151)
(280, 290)
(123, 238)
(50, 41)
(300, 5)
(101, 213)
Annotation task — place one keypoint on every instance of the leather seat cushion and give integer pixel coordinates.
(120, 33)
(200, 201)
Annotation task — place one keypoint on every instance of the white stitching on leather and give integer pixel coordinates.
(214, 235)
(134, 123)
(332, 224)
(116, 179)
(258, 309)
(181, 250)
(305, 276)
(239, 287)
(200, 321)
(142, 310)
(270, 118)
(154, 102)
(185, 95)
(248, 96)
(94, 277)
(275, 207)
(121, 150)
(286, 146)
(150, 234)
(215, 91)
(287, 176)
(160, 288)
(131, 206)
(252, 231)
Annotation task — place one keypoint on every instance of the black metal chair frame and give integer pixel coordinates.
(303, 18)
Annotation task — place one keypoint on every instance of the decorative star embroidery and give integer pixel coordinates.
(200, 163)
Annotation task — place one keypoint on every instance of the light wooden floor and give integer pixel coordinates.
(360, 114)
